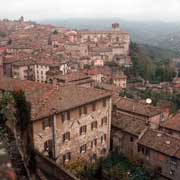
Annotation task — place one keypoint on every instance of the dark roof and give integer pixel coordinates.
(161, 142)
(128, 124)
(173, 123)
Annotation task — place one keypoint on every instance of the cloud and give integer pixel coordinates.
(127, 9)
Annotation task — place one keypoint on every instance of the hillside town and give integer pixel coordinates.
(84, 104)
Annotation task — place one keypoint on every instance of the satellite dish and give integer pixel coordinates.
(148, 101)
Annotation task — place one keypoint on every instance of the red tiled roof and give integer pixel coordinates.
(45, 99)
(161, 142)
(173, 123)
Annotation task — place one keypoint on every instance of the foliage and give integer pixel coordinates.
(149, 67)
(111, 168)
(158, 97)
(6, 108)
(55, 32)
(3, 34)
(23, 110)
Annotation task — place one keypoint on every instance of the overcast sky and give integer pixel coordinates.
(164, 10)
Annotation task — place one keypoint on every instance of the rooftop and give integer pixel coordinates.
(173, 123)
(128, 123)
(136, 107)
(161, 142)
(47, 100)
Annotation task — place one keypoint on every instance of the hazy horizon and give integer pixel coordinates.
(130, 10)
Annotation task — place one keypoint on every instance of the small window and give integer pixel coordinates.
(131, 139)
(94, 143)
(85, 109)
(46, 123)
(139, 148)
(80, 111)
(103, 138)
(172, 172)
(66, 136)
(67, 157)
(48, 145)
(94, 106)
(142, 149)
(93, 158)
(83, 149)
(94, 125)
(104, 102)
(103, 121)
(83, 130)
(63, 116)
(68, 115)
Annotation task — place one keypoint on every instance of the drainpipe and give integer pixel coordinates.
(54, 136)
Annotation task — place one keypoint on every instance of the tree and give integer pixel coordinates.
(23, 110)
(55, 32)
(6, 108)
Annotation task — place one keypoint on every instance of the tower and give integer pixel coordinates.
(115, 26)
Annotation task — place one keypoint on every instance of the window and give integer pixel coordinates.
(85, 109)
(93, 158)
(144, 150)
(63, 116)
(94, 143)
(83, 130)
(46, 123)
(103, 121)
(68, 115)
(83, 149)
(131, 139)
(172, 172)
(94, 106)
(66, 136)
(48, 145)
(94, 125)
(173, 163)
(67, 157)
(103, 138)
(104, 102)
(80, 111)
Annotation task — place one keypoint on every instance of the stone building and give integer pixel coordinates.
(160, 151)
(120, 80)
(172, 125)
(23, 70)
(111, 45)
(42, 67)
(150, 114)
(136, 132)
(68, 123)
(76, 78)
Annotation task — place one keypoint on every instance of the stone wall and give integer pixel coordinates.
(51, 169)
(73, 126)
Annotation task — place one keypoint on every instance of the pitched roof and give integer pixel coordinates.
(46, 100)
(136, 107)
(73, 76)
(129, 124)
(161, 142)
(173, 123)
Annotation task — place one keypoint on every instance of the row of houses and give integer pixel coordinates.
(82, 123)
(147, 134)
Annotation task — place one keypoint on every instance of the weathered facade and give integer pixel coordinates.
(69, 123)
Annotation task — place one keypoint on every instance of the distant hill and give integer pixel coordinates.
(161, 34)
(157, 53)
